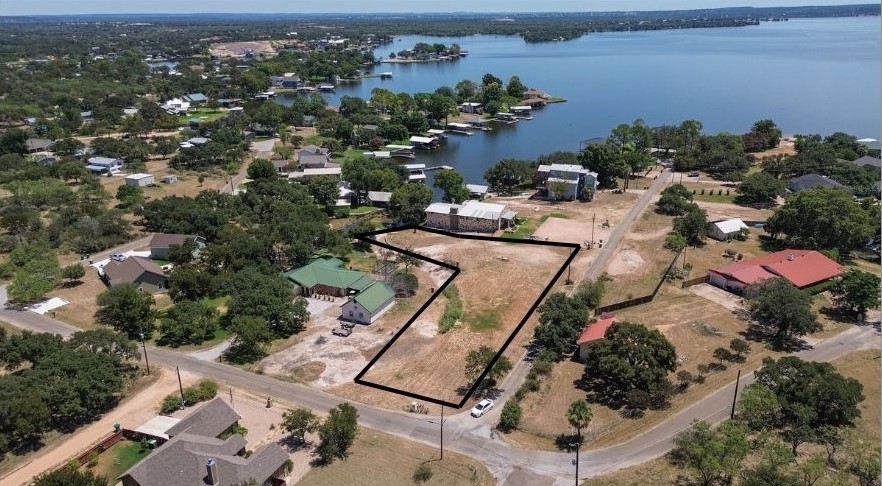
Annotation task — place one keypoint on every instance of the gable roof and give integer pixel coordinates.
(328, 272)
(374, 296)
(38, 144)
(165, 240)
(183, 459)
(596, 330)
(801, 267)
(470, 209)
(809, 181)
(379, 196)
(131, 269)
(209, 420)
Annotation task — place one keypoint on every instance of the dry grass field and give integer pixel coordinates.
(187, 185)
(864, 367)
(497, 285)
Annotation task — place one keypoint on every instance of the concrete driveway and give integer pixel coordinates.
(718, 296)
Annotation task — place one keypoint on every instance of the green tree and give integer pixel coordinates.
(337, 433)
(250, 336)
(674, 200)
(510, 417)
(105, 341)
(127, 309)
(556, 189)
(69, 477)
(267, 297)
(72, 170)
(187, 322)
(477, 360)
(692, 225)
(631, 357)
(782, 310)
(561, 320)
(74, 272)
(740, 347)
(607, 160)
(759, 408)
(34, 277)
(129, 196)
(714, 455)
(579, 416)
(590, 292)
(299, 422)
(823, 219)
(453, 185)
(515, 88)
(760, 187)
(856, 291)
(67, 147)
(509, 174)
(323, 189)
(261, 169)
(408, 203)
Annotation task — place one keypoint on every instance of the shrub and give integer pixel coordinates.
(422, 474)
(702, 191)
(532, 384)
(203, 391)
(511, 416)
(521, 393)
(92, 459)
(452, 310)
(542, 367)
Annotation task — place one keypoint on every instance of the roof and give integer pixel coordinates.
(165, 240)
(38, 144)
(104, 161)
(416, 139)
(198, 140)
(374, 296)
(867, 160)
(477, 188)
(328, 272)
(310, 159)
(524, 108)
(469, 209)
(315, 149)
(210, 420)
(138, 176)
(379, 196)
(316, 172)
(733, 225)
(809, 181)
(197, 97)
(130, 269)
(183, 459)
(157, 426)
(800, 267)
(596, 330)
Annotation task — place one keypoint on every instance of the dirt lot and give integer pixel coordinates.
(864, 367)
(491, 312)
(187, 185)
(237, 49)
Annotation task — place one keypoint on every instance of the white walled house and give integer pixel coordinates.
(724, 230)
(369, 304)
(140, 180)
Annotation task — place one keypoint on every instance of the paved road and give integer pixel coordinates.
(473, 436)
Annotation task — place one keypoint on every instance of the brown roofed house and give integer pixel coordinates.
(135, 270)
(212, 419)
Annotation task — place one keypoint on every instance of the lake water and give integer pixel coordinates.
(808, 75)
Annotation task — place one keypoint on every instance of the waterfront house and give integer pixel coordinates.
(308, 173)
(472, 107)
(521, 110)
(477, 191)
(726, 229)
(379, 199)
(802, 268)
(470, 216)
(505, 117)
(575, 177)
(424, 143)
(288, 81)
(415, 172)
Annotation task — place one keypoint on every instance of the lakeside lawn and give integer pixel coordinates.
(204, 114)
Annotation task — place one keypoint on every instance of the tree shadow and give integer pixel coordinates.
(567, 442)
(294, 444)
(71, 284)
(767, 243)
(837, 315)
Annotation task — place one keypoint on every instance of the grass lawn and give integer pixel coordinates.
(658, 471)
(379, 459)
(484, 321)
(315, 140)
(526, 228)
(204, 114)
(119, 458)
(352, 153)
(719, 198)
(361, 261)
(361, 210)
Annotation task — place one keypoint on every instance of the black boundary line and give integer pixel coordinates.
(366, 237)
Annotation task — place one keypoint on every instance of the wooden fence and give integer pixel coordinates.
(694, 281)
(102, 445)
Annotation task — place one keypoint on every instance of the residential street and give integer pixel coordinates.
(471, 436)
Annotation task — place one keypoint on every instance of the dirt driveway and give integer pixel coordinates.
(718, 296)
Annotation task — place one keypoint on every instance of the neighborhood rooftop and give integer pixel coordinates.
(802, 268)
(210, 420)
(328, 273)
(469, 209)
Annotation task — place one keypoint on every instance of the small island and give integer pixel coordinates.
(423, 52)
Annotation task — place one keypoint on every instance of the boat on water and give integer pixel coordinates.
(386, 75)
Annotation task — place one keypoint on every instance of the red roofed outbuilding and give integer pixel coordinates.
(594, 331)
(802, 268)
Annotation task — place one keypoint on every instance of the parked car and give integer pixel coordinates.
(117, 257)
(482, 407)
(341, 331)
(694, 173)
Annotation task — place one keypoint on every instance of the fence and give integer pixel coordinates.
(640, 300)
(99, 447)
(694, 281)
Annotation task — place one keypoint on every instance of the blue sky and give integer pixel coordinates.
(48, 7)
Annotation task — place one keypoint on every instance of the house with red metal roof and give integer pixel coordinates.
(594, 331)
(802, 268)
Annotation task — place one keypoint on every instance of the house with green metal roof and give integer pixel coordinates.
(367, 298)
(326, 277)
(369, 304)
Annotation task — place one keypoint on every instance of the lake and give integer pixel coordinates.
(808, 75)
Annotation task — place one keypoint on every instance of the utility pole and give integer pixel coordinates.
(441, 423)
(735, 396)
(576, 462)
(144, 346)
(593, 216)
(180, 386)
(231, 397)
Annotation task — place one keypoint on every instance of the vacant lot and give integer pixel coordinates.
(498, 284)
(188, 182)
(864, 367)
(239, 49)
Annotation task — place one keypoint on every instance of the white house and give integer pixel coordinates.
(369, 304)
(140, 180)
(175, 106)
(723, 230)
(104, 165)
(470, 107)
(575, 177)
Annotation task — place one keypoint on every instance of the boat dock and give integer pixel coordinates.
(439, 167)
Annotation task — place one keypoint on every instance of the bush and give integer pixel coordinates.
(542, 367)
(422, 474)
(452, 310)
(92, 459)
(533, 384)
(203, 391)
(511, 416)
(341, 213)
(521, 393)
